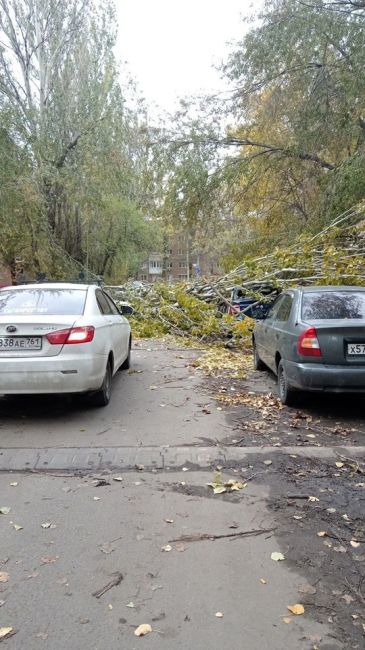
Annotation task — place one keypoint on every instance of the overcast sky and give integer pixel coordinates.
(171, 45)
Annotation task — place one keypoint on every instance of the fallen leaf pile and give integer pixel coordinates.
(220, 362)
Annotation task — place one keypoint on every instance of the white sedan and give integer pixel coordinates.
(61, 338)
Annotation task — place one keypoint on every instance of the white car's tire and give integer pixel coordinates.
(102, 396)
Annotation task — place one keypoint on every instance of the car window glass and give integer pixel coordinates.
(274, 308)
(333, 305)
(102, 303)
(284, 309)
(112, 306)
(41, 301)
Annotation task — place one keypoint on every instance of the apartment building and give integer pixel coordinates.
(179, 262)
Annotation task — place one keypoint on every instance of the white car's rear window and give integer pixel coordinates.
(333, 305)
(42, 302)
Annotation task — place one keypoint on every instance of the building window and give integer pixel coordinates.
(183, 277)
(182, 265)
(169, 265)
(180, 251)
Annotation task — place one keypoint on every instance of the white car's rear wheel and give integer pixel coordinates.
(103, 395)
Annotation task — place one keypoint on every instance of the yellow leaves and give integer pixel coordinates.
(5, 632)
(354, 543)
(277, 557)
(4, 577)
(297, 609)
(219, 362)
(313, 499)
(143, 629)
(231, 485)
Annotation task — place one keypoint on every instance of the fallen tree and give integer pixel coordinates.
(334, 256)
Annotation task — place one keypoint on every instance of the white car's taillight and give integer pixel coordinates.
(308, 344)
(72, 335)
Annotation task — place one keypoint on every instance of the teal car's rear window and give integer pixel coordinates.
(333, 305)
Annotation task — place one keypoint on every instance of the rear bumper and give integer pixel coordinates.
(51, 375)
(319, 377)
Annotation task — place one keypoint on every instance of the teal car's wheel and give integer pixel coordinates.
(288, 395)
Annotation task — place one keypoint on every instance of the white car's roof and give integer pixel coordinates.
(51, 285)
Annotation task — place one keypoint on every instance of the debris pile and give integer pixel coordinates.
(221, 309)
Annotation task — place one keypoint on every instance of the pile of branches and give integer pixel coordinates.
(204, 310)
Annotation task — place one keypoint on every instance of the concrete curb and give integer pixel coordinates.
(91, 459)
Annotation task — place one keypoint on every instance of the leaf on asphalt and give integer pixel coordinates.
(49, 559)
(34, 574)
(235, 485)
(263, 582)
(139, 467)
(14, 484)
(4, 577)
(167, 548)
(131, 605)
(143, 629)
(153, 387)
(298, 517)
(2, 602)
(296, 609)
(287, 620)
(4, 510)
(331, 510)
(277, 557)
(219, 615)
(17, 527)
(219, 489)
(339, 464)
(321, 533)
(96, 498)
(180, 547)
(6, 632)
(340, 549)
(348, 599)
(110, 606)
(107, 548)
(42, 635)
(169, 521)
(267, 462)
(327, 543)
(137, 483)
(118, 478)
(313, 499)
(354, 543)
(48, 524)
(307, 589)
(185, 469)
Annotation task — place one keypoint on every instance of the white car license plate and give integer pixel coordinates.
(355, 348)
(20, 343)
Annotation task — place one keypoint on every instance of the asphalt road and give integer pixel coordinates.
(48, 574)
